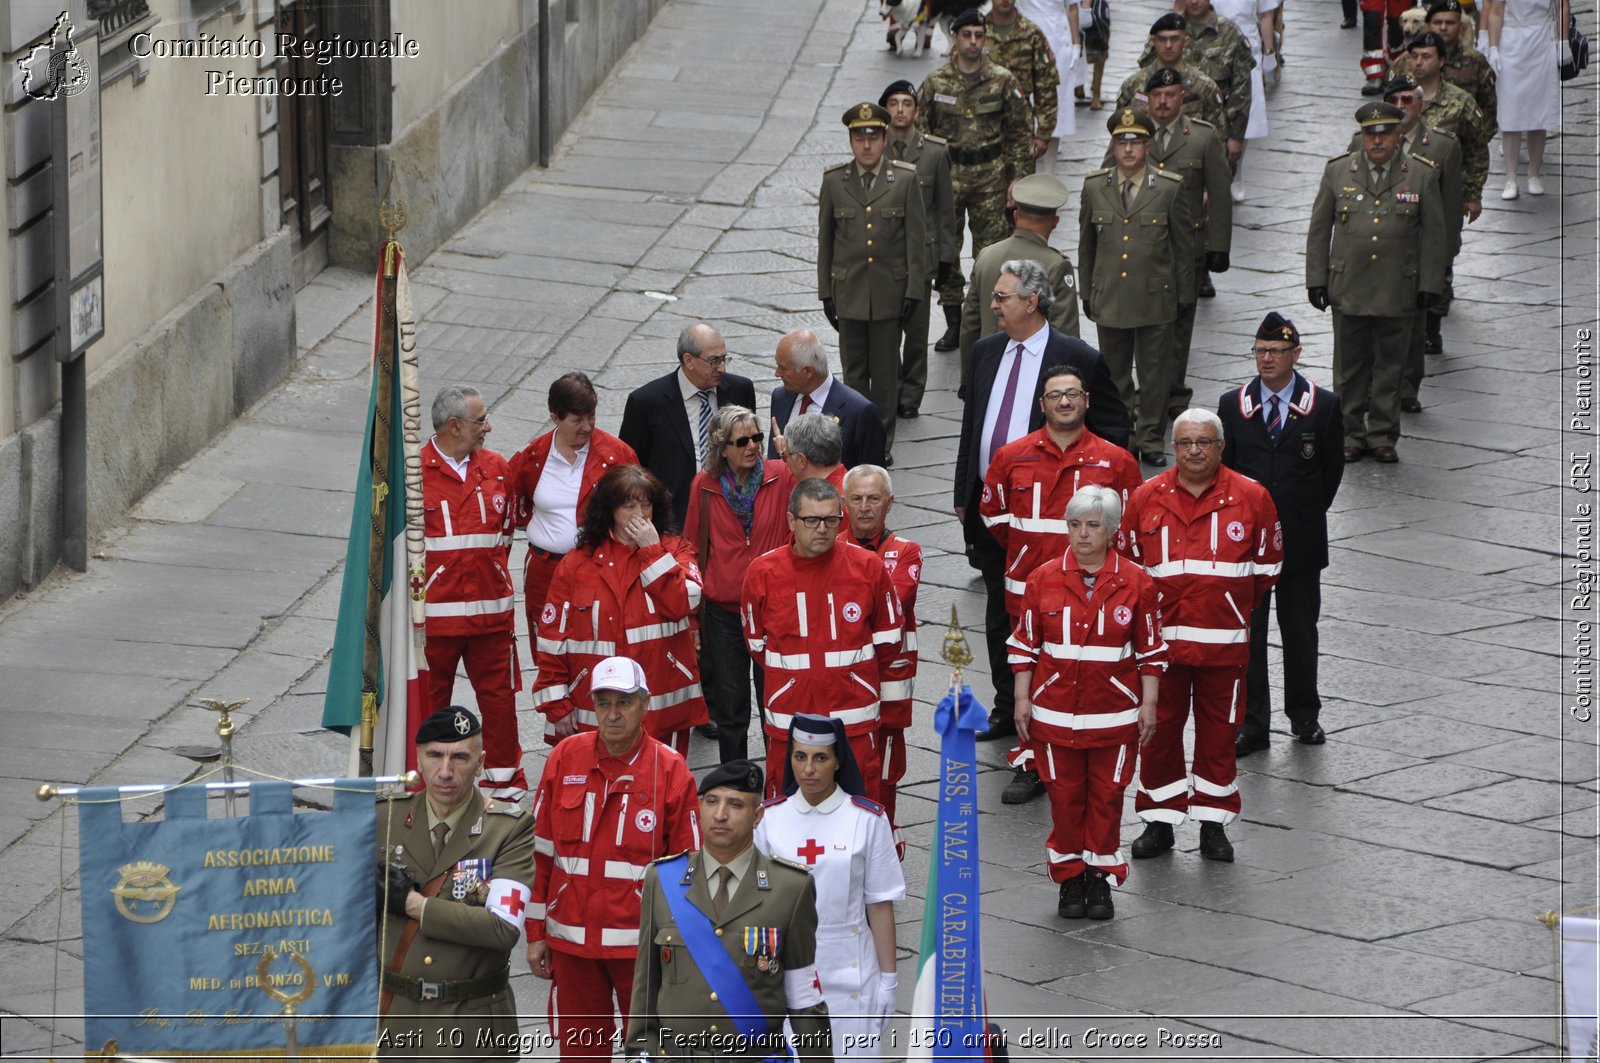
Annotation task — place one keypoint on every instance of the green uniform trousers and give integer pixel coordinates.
(1369, 356)
(1147, 349)
(870, 354)
(914, 359)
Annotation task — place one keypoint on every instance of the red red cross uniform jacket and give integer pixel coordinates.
(599, 821)
(902, 559)
(1213, 558)
(1086, 651)
(467, 532)
(828, 632)
(629, 602)
(1026, 491)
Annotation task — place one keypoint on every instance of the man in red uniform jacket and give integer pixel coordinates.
(470, 597)
(1025, 494)
(868, 498)
(823, 620)
(1210, 538)
(609, 802)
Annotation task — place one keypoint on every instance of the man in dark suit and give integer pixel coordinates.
(1286, 433)
(657, 421)
(808, 387)
(1006, 377)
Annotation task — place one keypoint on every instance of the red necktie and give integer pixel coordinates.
(805, 404)
(1002, 424)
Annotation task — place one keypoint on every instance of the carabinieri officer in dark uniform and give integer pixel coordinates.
(727, 942)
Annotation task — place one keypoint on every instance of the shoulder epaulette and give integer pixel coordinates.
(1424, 158)
(501, 808)
(780, 799)
(1199, 121)
(1435, 132)
(866, 803)
(837, 166)
(1169, 175)
(1097, 173)
(670, 856)
(932, 139)
(1342, 157)
(779, 861)
(905, 165)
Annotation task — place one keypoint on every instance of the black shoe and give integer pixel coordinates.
(1097, 896)
(1308, 733)
(1410, 406)
(1206, 290)
(908, 412)
(1214, 844)
(1154, 458)
(1433, 345)
(1000, 726)
(1348, 24)
(888, 461)
(1023, 787)
(1156, 839)
(1248, 742)
(708, 730)
(1071, 904)
(1372, 88)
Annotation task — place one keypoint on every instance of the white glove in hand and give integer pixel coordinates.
(1563, 52)
(1494, 59)
(883, 999)
(1483, 41)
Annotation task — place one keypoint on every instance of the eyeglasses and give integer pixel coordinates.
(1000, 297)
(479, 421)
(1193, 444)
(743, 441)
(720, 362)
(812, 522)
(1276, 352)
(1070, 394)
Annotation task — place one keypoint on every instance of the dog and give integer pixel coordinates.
(1412, 22)
(907, 18)
(943, 12)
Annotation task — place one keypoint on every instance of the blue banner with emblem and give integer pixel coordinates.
(203, 930)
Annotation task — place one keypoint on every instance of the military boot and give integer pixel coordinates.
(952, 333)
(1070, 904)
(1156, 839)
(1097, 895)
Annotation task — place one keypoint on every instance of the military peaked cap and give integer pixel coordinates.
(866, 116)
(1130, 123)
(1379, 117)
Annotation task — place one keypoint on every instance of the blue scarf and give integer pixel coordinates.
(742, 499)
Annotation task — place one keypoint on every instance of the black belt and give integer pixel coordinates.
(445, 992)
(974, 156)
(548, 555)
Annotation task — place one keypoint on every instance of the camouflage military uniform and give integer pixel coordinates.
(1453, 110)
(989, 127)
(1026, 53)
(1201, 97)
(1469, 71)
(1221, 52)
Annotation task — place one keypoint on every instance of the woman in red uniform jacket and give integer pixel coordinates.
(1088, 658)
(628, 589)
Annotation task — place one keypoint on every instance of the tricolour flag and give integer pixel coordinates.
(949, 1017)
(378, 659)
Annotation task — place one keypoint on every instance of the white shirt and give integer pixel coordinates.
(819, 397)
(554, 525)
(691, 406)
(458, 464)
(1022, 406)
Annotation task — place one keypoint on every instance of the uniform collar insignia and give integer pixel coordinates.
(477, 828)
(762, 881)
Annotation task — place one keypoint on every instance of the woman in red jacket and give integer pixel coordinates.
(738, 506)
(1088, 657)
(551, 479)
(628, 589)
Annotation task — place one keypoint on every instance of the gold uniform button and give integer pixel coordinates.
(869, 210)
(1374, 237)
(1124, 256)
(427, 961)
(713, 998)
(719, 931)
(1374, 258)
(712, 1028)
(869, 242)
(1124, 238)
(869, 225)
(1124, 276)
(869, 260)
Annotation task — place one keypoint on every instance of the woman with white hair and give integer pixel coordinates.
(1088, 656)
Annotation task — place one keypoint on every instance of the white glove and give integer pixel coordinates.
(1494, 59)
(1269, 62)
(1563, 52)
(1483, 41)
(883, 998)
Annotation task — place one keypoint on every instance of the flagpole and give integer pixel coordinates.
(393, 218)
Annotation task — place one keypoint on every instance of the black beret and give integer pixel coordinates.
(1170, 21)
(1399, 83)
(742, 775)
(970, 17)
(1277, 327)
(1444, 6)
(1164, 77)
(451, 724)
(897, 88)
(1427, 39)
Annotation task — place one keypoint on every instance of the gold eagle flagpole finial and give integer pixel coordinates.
(954, 651)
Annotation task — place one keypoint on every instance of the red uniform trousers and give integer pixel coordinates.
(1085, 787)
(537, 569)
(581, 992)
(869, 758)
(495, 675)
(1166, 794)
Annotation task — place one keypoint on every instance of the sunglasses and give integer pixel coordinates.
(743, 441)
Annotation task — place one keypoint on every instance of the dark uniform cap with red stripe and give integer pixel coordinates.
(1277, 327)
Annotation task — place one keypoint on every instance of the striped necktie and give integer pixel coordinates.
(1275, 419)
(705, 422)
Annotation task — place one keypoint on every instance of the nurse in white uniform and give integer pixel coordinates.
(822, 821)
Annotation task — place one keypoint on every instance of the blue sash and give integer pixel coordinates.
(713, 961)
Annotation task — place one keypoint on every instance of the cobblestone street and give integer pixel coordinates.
(1385, 894)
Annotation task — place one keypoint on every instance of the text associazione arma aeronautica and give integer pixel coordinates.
(285, 47)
